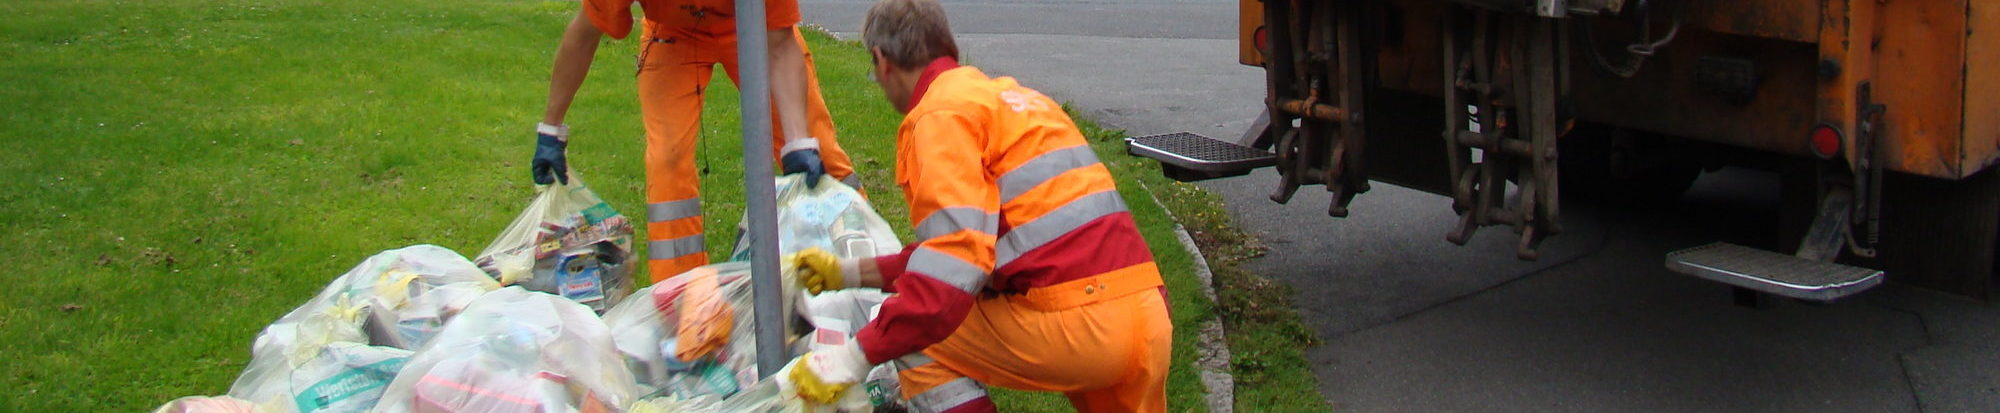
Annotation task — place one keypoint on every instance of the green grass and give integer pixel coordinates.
(184, 172)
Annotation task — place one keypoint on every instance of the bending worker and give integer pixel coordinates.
(1028, 272)
(682, 42)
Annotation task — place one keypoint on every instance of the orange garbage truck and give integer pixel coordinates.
(1882, 119)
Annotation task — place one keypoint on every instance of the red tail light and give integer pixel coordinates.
(1826, 141)
(1262, 38)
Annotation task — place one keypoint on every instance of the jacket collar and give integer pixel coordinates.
(931, 72)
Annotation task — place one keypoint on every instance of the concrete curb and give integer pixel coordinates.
(1213, 358)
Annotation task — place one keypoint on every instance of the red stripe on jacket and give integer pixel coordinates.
(925, 310)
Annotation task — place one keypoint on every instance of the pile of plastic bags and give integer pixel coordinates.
(693, 347)
(690, 342)
(337, 352)
(423, 329)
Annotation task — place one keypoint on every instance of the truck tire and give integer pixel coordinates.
(1941, 234)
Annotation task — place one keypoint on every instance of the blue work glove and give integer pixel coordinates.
(550, 164)
(802, 156)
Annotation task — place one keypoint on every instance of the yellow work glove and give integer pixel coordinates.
(823, 375)
(817, 270)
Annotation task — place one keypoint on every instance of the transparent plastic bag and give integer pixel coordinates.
(396, 298)
(568, 242)
(653, 331)
(836, 316)
(318, 357)
(515, 350)
(343, 377)
(833, 217)
(646, 329)
(843, 311)
(775, 394)
(764, 397)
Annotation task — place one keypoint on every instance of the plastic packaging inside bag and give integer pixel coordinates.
(567, 242)
(765, 397)
(833, 217)
(646, 334)
(694, 334)
(318, 357)
(773, 395)
(844, 311)
(343, 377)
(515, 350)
(836, 316)
(693, 353)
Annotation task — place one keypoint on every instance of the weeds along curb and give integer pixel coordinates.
(1214, 360)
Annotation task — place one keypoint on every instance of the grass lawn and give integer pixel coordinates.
(186, 171)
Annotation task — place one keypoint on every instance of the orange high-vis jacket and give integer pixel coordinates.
(716, 17)
(1006, 196)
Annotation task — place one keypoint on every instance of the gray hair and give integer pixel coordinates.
(911, 33)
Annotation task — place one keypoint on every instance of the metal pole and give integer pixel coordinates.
(754, 77)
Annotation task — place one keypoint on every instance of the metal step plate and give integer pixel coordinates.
(1199, 156)
(1771, 272)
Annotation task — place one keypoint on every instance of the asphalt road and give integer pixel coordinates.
(1413, 323)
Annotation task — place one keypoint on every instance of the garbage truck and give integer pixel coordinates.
(1882, 119)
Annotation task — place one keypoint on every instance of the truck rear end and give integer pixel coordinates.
(1878, 115)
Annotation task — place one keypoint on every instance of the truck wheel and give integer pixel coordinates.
(1941, 234)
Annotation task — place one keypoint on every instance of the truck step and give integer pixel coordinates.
(1189, 157)
(1773, 273)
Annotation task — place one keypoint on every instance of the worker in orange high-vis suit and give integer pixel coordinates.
(1028, 272)
(681, 43)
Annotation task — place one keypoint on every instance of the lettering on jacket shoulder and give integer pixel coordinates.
(1024, 99)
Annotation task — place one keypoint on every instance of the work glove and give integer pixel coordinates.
(802, 156)
(551, 164)
(818, 270)
(821, 376)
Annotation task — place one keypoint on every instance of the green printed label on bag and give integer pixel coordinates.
(718, 379)
(879, 396)
(340, 387)
(598, 213)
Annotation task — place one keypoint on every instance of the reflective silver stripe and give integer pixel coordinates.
(852, 180)
(1055, 224)
(672, 210)
(1042, 168)
(954, 219)
(948, 395)
(914, 360)
(949, 269)
(667, 249)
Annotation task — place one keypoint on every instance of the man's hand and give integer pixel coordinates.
(817, 270)
(802, 156)
(551, 164)
(822, 376)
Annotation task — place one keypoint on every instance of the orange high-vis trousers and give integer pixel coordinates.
(675, 66)
(1110, 354)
